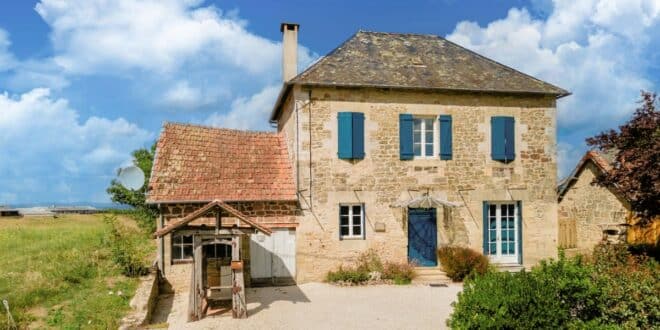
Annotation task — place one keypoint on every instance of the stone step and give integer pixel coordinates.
(512, 268)
(430, 275)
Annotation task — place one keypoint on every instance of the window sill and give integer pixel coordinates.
(356, 238)
(182, 261)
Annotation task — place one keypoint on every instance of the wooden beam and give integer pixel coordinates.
(204, 210)
(239, 306)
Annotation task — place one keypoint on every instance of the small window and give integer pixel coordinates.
(182, 247)
(217, 251)
(351, 221)
(424, 137)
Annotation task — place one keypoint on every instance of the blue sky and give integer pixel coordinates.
(82, 83)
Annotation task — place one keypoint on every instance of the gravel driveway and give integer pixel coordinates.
(324, 306)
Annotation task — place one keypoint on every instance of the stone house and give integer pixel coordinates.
(587, 211)
(395, 142)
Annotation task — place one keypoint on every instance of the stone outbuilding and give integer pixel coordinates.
(587, 211)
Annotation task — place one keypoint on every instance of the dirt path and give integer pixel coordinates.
(323, 306)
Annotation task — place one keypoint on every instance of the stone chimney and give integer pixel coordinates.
(289, 50)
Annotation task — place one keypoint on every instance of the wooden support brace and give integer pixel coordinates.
(239, 306)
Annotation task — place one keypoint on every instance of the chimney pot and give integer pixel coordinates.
(289, 50)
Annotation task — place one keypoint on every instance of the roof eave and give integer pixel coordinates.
(198, 201)
(284, 92)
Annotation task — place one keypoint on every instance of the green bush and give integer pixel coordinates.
(611, 289)
(348, 275)
(127, 250)
(399, 272)
(368, 262)
(459, 262)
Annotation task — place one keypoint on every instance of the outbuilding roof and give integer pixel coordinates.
(202, 164)
(414, 61)
(602, 162)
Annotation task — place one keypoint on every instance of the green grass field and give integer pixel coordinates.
(59, 273)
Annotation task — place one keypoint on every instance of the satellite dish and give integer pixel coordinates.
(131, 177)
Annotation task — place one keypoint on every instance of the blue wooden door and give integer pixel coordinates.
(422, 237)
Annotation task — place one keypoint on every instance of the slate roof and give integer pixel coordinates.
(202, 164)
(415, 61)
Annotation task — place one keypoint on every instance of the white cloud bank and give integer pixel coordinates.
(191, 54)
(43, 144)
(595, 49)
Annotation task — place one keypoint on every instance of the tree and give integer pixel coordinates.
(143, 159)
(635, 169)
(144, 214)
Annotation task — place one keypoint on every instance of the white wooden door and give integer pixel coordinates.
(274, 255)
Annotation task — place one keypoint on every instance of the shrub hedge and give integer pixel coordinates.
(609, 289)
(459, 262)
(369, 262)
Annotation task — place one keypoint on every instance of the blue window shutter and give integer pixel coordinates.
(502, 138)
(445, 137)
(345, 135)
(485, 228)
(510, 138)
(358, 135)
(520, 229)
(405, 136)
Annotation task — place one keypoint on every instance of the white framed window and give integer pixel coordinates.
(351, 221)
(424, 137)
(182, 247)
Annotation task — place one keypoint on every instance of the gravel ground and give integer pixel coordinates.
(324, 306)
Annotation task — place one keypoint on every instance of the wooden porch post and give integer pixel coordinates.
(239, 307)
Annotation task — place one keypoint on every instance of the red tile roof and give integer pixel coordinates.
(202, 164)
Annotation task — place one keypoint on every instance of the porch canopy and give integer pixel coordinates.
(199, 300)
(425, 201)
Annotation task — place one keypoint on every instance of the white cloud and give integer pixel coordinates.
(247, 113)
(7, 60)
(42, 138)
(595, 49)
(182, 46)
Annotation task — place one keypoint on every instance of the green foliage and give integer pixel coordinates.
(636, 147)
(461, 262)
(144, 215)
(612, 289)
(58, 273)
(348, 275)
(630, 286)
(127, 247)
(368, 262)
(399, 272)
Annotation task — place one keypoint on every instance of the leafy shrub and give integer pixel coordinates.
(399, 272)
(551, 296)
(348, 275)
(459, 262)
(369, 262)
(630, 284)
(145, 217)
(125, 248)
(611, 289)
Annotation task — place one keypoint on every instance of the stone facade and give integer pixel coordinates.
(593, 208)
(309, 121)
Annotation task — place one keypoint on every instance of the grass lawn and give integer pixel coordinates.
(59, 273)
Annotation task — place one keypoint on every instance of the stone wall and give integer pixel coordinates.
(594, 208)
(380, 179)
